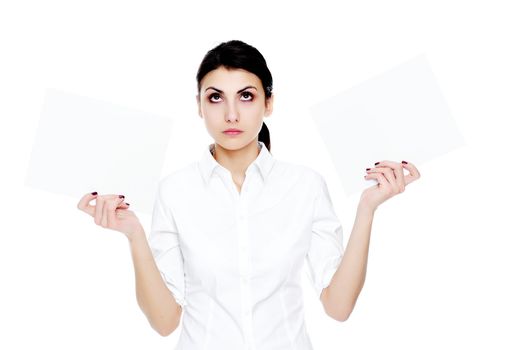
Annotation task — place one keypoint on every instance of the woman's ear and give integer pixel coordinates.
(269, 105)
(198, 105)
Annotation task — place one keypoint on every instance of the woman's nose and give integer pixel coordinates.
(232, 114)
(232, 117)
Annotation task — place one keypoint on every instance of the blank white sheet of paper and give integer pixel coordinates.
(398, 115)
(84, 145)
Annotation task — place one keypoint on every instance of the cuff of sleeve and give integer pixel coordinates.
(328, 273)
(178, 296)
(179, 299)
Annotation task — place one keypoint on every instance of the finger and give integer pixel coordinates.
(98, 209)
(123, 205)
(388, 174)
(401, 179)
(84, 205)
(378, 176)
(414, 174)
(398, 172)
(97, 214)
(110, 209)
(104, 218)
(99, 205)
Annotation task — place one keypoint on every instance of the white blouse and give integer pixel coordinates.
(233, 260)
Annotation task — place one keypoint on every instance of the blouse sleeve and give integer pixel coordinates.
(164, 244)
(326, 249)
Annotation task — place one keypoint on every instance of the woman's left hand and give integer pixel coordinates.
(391, 181)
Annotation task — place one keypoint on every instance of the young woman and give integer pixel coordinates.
(231, 231)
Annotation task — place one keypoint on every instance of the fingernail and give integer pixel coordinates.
(403, 161)
(376, 163)
(121, 196)
(368, 169)
(127, 203)
(94, 193)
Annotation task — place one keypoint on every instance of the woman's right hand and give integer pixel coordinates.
(111, 212)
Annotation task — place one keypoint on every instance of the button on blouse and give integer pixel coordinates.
(233, 260)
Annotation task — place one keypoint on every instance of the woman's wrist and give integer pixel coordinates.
(365, 208)
(136, 235)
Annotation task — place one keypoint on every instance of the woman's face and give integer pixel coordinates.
(233, 99)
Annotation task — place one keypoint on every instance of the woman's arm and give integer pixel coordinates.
(153, 297)
(340, 296)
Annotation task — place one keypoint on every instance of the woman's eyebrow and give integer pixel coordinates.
(246, 87)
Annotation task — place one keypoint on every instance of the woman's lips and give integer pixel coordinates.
(232, 133)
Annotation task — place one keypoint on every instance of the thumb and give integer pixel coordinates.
(111, 212)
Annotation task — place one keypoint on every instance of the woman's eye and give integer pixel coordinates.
(246, 93)
(243, 94)
(212, 96)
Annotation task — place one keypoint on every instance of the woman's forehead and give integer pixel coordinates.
(229, 79)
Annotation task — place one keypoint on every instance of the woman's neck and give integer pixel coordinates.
(236, 161)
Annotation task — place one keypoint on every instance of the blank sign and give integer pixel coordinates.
(398, 115)
(84, 145)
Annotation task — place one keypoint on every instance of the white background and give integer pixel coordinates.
(446, 263)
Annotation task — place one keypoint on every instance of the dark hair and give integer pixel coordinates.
(237, 54)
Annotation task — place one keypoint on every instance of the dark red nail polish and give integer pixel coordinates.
(368, 169)
(121, 196)
(376, 163)
(128, 204)
(94, 193)
(403, 161)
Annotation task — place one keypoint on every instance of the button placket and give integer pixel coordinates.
(244, 265)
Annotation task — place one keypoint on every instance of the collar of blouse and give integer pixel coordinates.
(207, 164)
